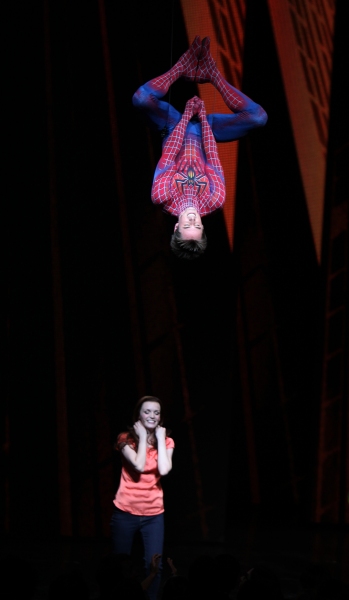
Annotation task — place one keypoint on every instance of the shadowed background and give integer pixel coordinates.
(247, 348)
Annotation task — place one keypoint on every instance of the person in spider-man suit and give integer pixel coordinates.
(189, 179)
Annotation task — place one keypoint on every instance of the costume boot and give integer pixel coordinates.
(186, 65)
(207, 71)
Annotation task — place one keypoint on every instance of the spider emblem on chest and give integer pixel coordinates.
(191, 179)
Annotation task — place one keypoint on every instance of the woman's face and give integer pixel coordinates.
(150, 414)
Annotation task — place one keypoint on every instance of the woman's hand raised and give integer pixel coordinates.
(140, 430)
(160, 432)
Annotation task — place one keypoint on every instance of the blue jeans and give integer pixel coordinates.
(124, 526)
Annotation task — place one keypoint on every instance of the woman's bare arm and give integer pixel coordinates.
(137, 457)
(164, 454)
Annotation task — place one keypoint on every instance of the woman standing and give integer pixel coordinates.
(146, 453)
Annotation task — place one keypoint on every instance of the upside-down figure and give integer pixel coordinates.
(189, 179)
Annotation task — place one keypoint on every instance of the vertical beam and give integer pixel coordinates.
(332, 489)
(60, 368)
(305, 56)
(127, 250)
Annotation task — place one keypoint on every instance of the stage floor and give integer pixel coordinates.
(287, 550)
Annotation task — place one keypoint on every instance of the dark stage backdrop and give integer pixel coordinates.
(98, 313)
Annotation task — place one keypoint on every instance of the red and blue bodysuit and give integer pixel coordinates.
(189, 172)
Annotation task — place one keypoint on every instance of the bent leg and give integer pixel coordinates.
(158, 113)
(247, 114)
(148, 96)
(229, 127)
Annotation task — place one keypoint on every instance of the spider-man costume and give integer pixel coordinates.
(189, 172)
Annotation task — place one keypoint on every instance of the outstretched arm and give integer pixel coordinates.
(213, 167)
(208, 140)
(166, 167)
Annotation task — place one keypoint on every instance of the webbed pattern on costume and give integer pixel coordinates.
(175, 201)
(185, 171)
(192, 193)
(191, 178)
(188, 64)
